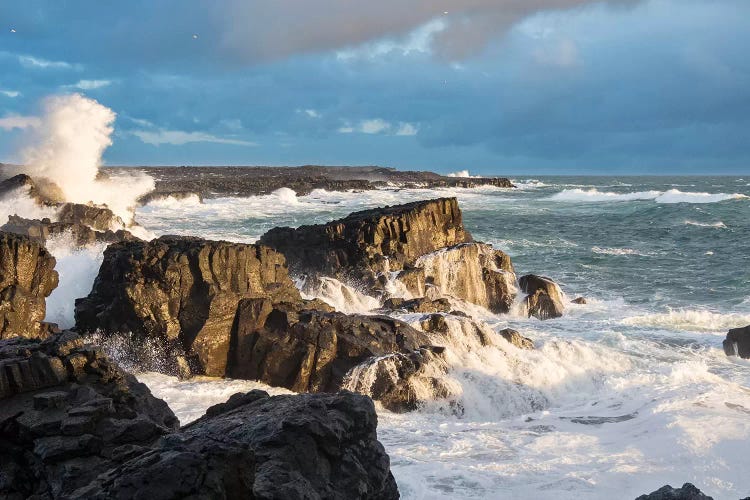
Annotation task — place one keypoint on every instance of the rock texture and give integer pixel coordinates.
(364, 244)
(687, 492)
(43, 230)
(516, 338)
(27, 278)
(261, 447)
(184, 291)
(737, 342)
(97, 218)
(308, 350)
(544, 299)
(68, 413)
(73, 425)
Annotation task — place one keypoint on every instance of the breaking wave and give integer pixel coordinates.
(672, 196)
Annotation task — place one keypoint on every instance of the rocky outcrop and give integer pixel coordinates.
(544, 298)
(687, 492)
(43, 230)
(364, 244)
(68, 413)
(256, 446)
(419, 305)
(516, 338)
(73, 425)
(737, 342)
(27, 278)
(183, 291)
(308, 350)
(474, 272)
(403, 381)
(580, 301)
(95, 217)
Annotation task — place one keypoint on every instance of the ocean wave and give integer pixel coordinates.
(528, 183)
(672, 196)
(693, 320)
(618, 251)
(718, 224)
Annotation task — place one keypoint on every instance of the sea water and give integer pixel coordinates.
(621, 395)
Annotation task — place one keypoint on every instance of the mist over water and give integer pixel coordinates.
(622, 395)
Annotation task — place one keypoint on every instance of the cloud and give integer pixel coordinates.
(379, 126)
(179, 137)
(19, 122)
(91, 84)
(10, 93)
(39, 63)
(310, 113)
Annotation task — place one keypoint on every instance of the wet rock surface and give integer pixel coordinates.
(544, 298)
(183, 291)
(737, 342)
(515, 338)
(27, 278)
(687, 492)
(42, 230)
(74, 425)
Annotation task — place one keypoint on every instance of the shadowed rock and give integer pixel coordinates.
(737, 342)
(183, 291)
(687, 492)
(544, 299)
(27, 278)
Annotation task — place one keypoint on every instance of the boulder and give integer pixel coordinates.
(182, 291)
(256, 446)
(365, 244)
(27, 278)
(737, 342)
(401, 382)
(418, 305)
(42, 230)
(74, 425)
(544, 298)
(687, 492)
(307, 350)
(96, 217)
(474, 272)
(516, 338)
(67, 413)
(580, 301)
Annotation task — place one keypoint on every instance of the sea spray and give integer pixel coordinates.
(65, 152)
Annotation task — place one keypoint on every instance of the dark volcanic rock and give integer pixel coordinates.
(66, 414)
(261, 447)
(364, 244)
(307, 350)
(183, 291)
(737, 342)
(73, 425)
(42, 230)
(27, 278)
(544, 299)
(98, 218)
(687, 492)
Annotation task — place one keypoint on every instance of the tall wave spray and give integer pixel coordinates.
(66, 151)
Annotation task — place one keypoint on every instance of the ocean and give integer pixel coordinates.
(622, 395)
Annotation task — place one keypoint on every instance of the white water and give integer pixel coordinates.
(670, 196)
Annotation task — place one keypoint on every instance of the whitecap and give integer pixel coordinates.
(694, 320)
(718, 224)
(618, 251)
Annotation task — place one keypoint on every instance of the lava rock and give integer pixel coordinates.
(307, 350)
(256, 446)
(687, 492)
(544, 299)
(27, 278)
(737, 342)
(183, 291)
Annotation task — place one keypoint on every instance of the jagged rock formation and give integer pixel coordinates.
(27, 278)
(737, 342)
(73, 425)
(184, 291)
(424, 240)
(544, 298)
(516, 338)
(308, 350)
(687, 492)
(419, 305)
(68, 413)
(365, 244)
(42, 230)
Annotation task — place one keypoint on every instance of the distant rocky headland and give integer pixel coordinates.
(207, 182)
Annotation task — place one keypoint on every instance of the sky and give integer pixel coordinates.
(489, 86)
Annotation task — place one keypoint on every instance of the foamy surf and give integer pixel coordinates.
(671, 196)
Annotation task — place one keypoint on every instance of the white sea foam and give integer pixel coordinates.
(694, 320)
(719, 224)
(340, 296)
(18, 202)
(672, 196)
(618, 251)
(464, 174)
